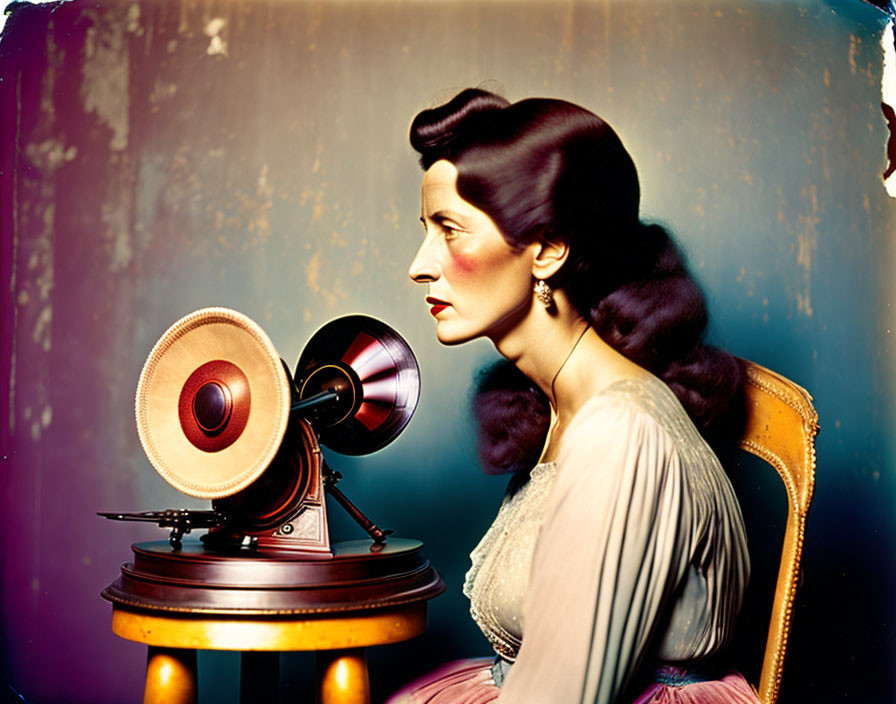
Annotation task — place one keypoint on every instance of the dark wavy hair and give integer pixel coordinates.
(550, 170)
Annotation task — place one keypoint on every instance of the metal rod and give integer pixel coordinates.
(330, 478)
(318, 399)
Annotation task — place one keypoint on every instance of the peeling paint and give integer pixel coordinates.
(318, 211)
(50, 154)
(183, 25)
(162, 91)
(133, 20)
(42, 280)
(807, 245)
(312, 272)
(104, 85)
(332, 291)
(394, 216)
(151, 177)
(888, 104)
(42, 327)
(213, 27)
(216, 45)
(260, 222)
(115, 217)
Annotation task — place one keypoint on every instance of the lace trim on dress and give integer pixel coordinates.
(520, 514)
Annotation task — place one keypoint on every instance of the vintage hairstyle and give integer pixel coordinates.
(551, 170)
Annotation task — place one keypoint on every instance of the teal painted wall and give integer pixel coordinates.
(162, 157)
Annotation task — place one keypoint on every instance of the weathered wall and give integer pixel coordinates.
(160, 157)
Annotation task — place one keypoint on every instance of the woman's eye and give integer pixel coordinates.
(450, 233)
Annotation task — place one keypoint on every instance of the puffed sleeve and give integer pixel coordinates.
(613, 545)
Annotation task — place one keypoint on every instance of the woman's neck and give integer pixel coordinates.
(566, 358)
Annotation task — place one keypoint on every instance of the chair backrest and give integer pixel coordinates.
(781, 428)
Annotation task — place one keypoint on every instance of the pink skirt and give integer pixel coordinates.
(470, 682)
(458, 682)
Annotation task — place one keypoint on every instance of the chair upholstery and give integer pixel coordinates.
(781, 425)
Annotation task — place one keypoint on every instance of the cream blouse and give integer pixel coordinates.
(632, 544)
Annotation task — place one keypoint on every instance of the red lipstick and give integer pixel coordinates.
(437, 305)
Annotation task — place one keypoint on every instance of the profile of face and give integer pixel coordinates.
(479, 285)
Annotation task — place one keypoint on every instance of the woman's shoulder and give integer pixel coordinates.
(640, 423)
(620, 438)
(643, 402)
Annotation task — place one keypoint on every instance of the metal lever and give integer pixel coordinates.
(180, 520)
(331, 477)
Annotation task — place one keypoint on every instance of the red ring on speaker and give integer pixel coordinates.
(235, 386)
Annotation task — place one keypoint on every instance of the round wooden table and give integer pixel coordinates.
(178, 601)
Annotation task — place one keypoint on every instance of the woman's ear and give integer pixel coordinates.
(549, 258)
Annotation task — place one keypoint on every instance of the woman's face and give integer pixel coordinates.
(478, 284)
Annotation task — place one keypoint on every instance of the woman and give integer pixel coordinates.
(617, 563)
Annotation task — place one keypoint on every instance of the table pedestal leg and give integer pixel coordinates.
(260, 677)
(170, 676)
(342, 677)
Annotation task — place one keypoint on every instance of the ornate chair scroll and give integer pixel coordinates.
(781, 427)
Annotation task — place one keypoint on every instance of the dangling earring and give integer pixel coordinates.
(543, 293)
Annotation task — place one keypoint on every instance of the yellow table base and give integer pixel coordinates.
(339, 640)
(171, 676)
(342, 677)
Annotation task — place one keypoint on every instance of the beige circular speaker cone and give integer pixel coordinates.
(213, 403)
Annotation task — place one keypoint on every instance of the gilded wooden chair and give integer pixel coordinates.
(781, 425)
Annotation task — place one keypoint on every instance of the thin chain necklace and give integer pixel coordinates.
(553, 399)
(554, 380)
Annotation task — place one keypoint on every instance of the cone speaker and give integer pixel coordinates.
(375, 374)
(213, 403)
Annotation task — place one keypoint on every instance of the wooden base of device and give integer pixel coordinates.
(177, 601)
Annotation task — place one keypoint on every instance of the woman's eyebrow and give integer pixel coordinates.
(440, 215)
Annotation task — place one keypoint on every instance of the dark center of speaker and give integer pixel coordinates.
(212, 406)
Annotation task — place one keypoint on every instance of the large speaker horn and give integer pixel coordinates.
(213, 403)
(375, 374)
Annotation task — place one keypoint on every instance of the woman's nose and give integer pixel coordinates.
(424, 268)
